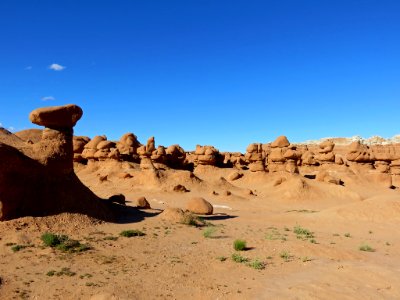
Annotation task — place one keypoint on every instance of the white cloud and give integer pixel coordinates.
(1, 125)
(28, 68)
(12, 129)
(56, 67)
(48, 98)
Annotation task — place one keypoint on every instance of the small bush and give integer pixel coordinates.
(285, 255)
(63, 243)
(131, 233)
(238, 258)
(256, 264)
(367, 248)
(209, 231)
(16, 248)
(348, 235)
(303, 232)
(239, 245)
(62, 272)
(52, 240)
(192, 220)
(110, 238)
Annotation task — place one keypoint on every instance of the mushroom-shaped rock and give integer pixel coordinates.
(56, 117)
(280, 142)
(199, 206)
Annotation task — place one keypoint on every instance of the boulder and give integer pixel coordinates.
(199, 206)
(142, 202)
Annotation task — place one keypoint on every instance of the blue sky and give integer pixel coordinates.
(222, 73)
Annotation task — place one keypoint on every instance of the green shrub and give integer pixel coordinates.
(52, 240)
(239, 245)
(16, 248)
(367, 248)
(285, 255)
(63, 243)
(131, 233)
(209, 231)
(256, 264)
(303, 232)
(238, 258)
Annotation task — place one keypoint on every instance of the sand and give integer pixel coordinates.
(176, 261)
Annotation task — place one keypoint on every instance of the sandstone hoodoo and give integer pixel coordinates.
(49, 184)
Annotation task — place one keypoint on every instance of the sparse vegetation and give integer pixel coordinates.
(131, 233)
(17, 248)
(52, 240)
(63, 243)
(306, 259)
(238, 258)
(348, 235)
(256, 264)
(300, 231)
(62, 272)
(192, 220)
(239, 245)
(110, 238)
(367, 248)
(285, 255)
(222, 258)
(209, 231)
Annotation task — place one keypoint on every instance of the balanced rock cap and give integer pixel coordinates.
(280, 142)
(56, 116)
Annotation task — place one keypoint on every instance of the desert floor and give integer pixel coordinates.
(176, 261)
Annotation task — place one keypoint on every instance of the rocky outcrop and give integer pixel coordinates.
(325, 152)
(206, 155)
(127, 147)
(49, 183)
(255, 157)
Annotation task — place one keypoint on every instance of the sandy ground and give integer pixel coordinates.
(176, 261)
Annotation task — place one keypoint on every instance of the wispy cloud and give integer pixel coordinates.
(1, 125)
(11, 129)
(56, 67)
(28, 68)
(48, 98)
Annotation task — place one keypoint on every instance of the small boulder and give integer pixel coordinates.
(199, 206)
(142, 202)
